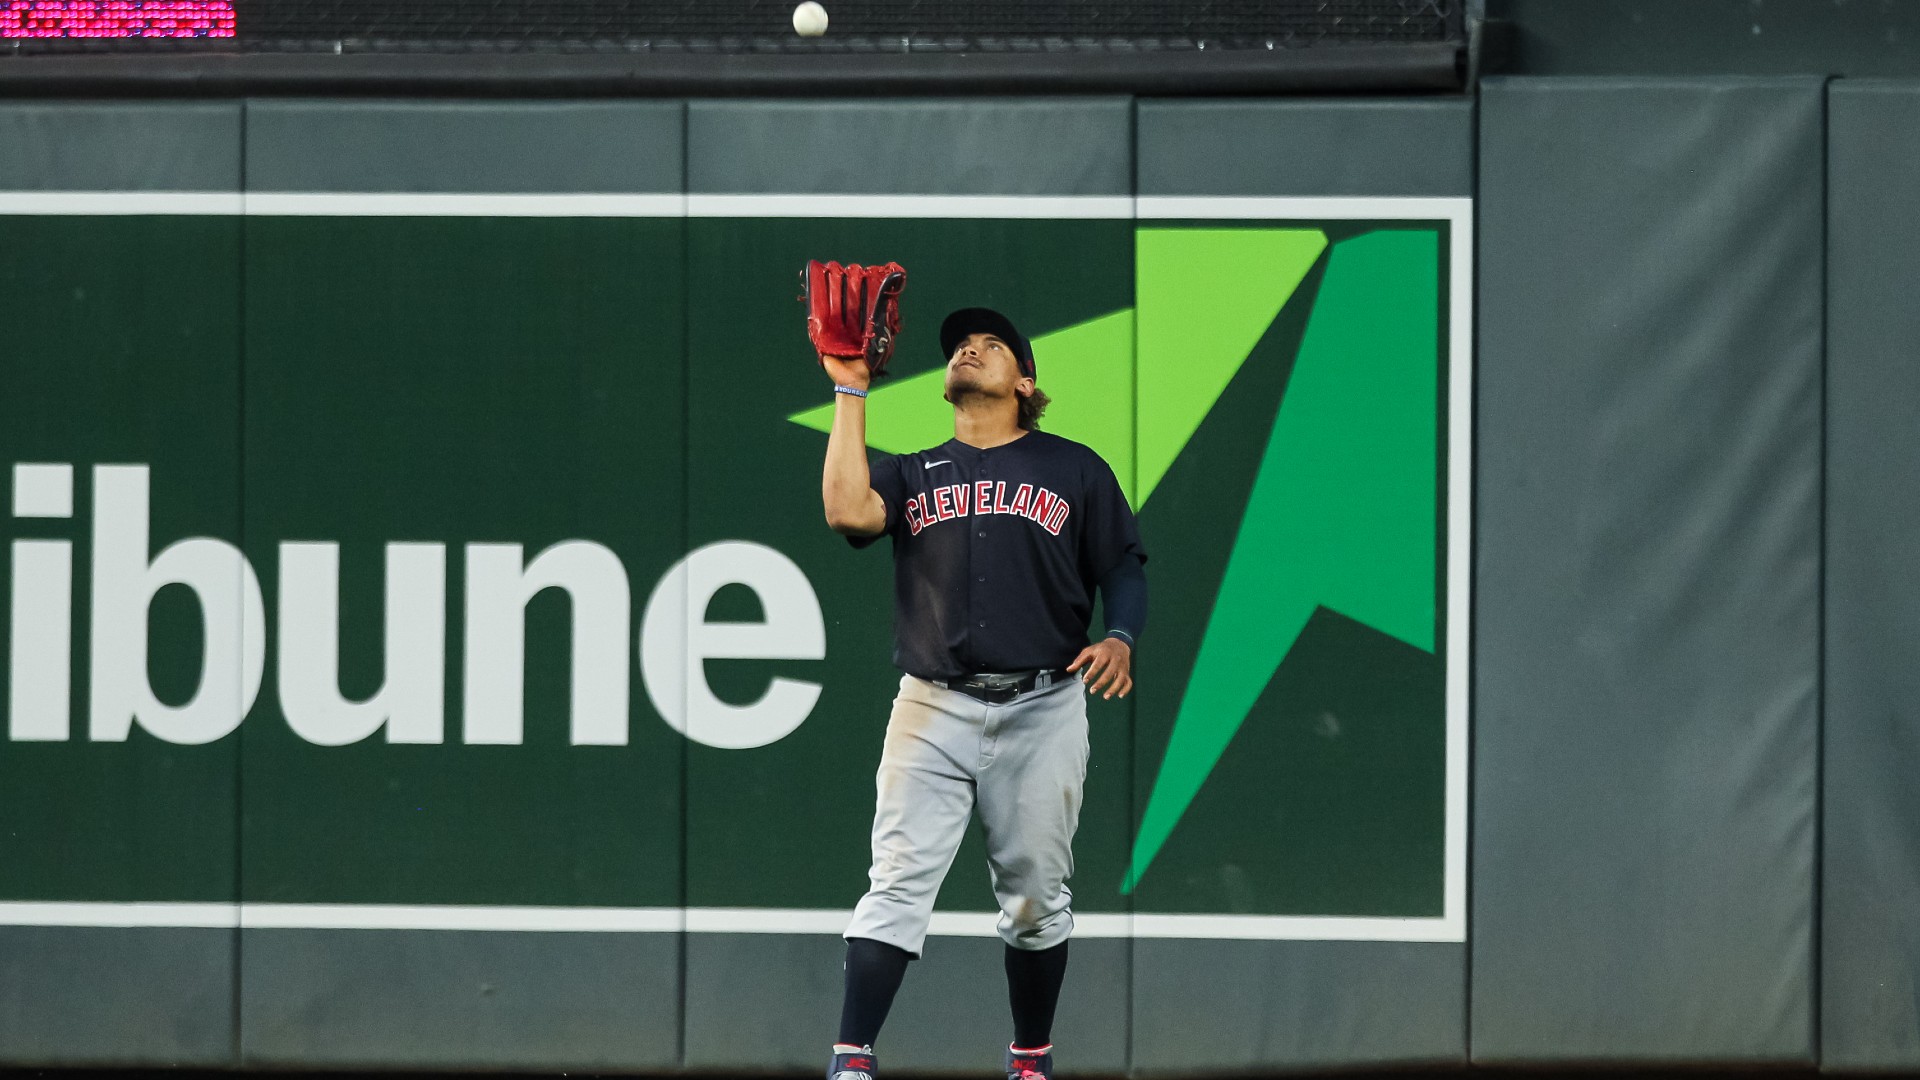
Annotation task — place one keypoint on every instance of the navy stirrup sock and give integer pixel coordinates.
(874, 972)
(1033, 990)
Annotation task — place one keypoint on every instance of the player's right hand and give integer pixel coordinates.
(1109, 667)
(850, 371)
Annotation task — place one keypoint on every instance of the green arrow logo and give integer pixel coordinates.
(1342, 511)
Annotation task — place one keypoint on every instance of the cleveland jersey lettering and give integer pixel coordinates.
(955, 501)
(997, 552)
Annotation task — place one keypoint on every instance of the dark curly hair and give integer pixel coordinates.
(1033, 407)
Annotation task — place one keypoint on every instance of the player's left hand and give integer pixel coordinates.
(1109, 666)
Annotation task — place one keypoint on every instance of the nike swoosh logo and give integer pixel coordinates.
(931, 464)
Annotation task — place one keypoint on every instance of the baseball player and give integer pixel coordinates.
(1000, 537)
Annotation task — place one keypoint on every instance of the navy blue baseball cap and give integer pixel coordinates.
(979, 320)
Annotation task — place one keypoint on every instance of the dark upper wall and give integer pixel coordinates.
(1701, 37)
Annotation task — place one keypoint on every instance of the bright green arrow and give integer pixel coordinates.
(1341, 513)
(1342, 510)
(1086, 372)
(1205, 297)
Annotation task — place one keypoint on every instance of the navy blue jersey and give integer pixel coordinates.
(996, 552)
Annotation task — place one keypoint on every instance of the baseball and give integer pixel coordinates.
(810, 19)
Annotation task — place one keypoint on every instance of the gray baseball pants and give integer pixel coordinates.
(1021, 765)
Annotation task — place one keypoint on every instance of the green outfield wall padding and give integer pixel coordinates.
(122, 346)
(1870, 836)
(1647, 571)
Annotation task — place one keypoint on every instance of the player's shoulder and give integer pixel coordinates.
(915, 462)
(931, 453)
(1064, 449)
(1049, 443)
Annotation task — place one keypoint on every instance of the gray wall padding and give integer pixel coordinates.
(72, 995)
(120, 146)
(986, 147)
(1303, 146)
(795, 999)
(1646, 632)
(951, 1014)
(489, 147)
(452, 999)
(1870, 854)
(1253, 1006)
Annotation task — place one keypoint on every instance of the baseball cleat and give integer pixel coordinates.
(854, 1065)
(1034, 1064)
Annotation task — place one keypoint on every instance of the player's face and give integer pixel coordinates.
(983, 364)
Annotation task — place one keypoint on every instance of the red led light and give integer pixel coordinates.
(115, 18)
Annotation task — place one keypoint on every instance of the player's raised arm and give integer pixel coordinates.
(853, 315)
(846, 488)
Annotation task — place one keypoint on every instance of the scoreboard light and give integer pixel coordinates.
(44, 19)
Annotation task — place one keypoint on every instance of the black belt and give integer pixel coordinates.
(1000, 689)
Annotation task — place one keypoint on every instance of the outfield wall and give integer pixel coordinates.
(503, 702)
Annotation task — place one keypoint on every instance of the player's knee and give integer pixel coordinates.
(1031, 925)
(1025, 913)
(1033, 910)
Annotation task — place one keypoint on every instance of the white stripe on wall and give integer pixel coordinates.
(693, 920)
(1306, 208)
(606, 204)
(97, 203)
(414, 204)
(912, 206)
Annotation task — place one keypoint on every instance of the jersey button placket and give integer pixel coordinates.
(977, 512)
(990, 731)
(974, 561)
(989, 734)
(978, 559)
(977, 503)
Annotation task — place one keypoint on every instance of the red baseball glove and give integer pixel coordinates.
(853, 311)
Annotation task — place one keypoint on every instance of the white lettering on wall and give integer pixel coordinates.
(674, 644)
(497, 593)
(411, 702)
(40, 668)
(676, 640)
(124, 584)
